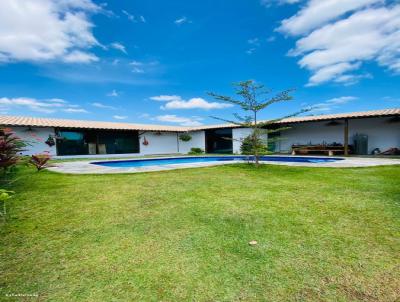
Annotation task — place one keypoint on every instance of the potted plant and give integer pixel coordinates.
(185, 137)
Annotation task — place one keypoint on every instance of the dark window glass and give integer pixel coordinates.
(219, 141)
(83, 142)
(71, 143)
(118, 142)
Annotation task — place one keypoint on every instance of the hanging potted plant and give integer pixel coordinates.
(185, 137)
(50, 141)
(145, 141)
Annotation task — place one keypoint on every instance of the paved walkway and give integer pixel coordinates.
(85, 167)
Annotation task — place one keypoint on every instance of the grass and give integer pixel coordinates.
(323, 235)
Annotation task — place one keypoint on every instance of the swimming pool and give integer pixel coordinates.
(207, 159)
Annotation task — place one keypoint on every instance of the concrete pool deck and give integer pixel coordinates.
(86, 166)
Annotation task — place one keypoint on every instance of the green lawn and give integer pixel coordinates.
(323, 235)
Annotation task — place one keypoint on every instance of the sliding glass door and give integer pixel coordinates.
(91, 142)
(117, 143)
(219, 141)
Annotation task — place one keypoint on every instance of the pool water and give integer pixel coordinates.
(201, 159)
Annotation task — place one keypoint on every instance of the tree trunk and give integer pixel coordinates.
(255, 140)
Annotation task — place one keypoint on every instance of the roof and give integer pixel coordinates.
(341, 116)
(65, 123)
(314, 118)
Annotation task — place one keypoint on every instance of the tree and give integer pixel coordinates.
(249, 148)
(253, 99)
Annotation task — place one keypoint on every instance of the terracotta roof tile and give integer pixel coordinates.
(65, 123)
(324, 117)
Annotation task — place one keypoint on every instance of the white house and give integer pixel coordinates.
(61, 137)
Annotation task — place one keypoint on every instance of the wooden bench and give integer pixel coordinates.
(306, 151)
(330, 150)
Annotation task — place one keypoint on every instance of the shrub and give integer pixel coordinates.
(10, 147)
(185, 137)
(249, 146)
(4, 196)
(40, 161)
(194, 151)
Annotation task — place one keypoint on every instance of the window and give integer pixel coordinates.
(219, 141)
(85, 142)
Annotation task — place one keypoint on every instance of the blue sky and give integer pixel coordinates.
(154, 61)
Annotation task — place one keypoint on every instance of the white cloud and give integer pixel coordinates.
(337, 37)
(166, 98)
(341, 100)
(195, 103)
(182, 20)
(330, 72)
(119, 46)
(176, 102)
(129, 16)
(254, 41)
(136, 63)
(113, 93)
(271, 39)
(133, 18)
(183, 121)
(138, 67)
(251, 51)
(120, 117)
(100, 105)
(269, 3)
(317, 13)
(75, 110)
(81, 4)
(137, 70)
(44, 30)
(78, 56)
(44, 106)
(333, 103)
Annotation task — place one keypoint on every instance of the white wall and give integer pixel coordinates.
(198, 141)
(380, 133)
(166, 143)
(237, 135)
(36, 138)
(163, 143)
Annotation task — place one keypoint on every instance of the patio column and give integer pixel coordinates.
(346, 137)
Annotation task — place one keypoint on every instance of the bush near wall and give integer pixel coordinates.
(195, 151)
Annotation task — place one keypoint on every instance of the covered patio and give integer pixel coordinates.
(372, 133)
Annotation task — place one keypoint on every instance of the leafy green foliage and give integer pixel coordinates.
(248, 146)
(253, 99)
(195, 151)
(185, 137)
(5, 195)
